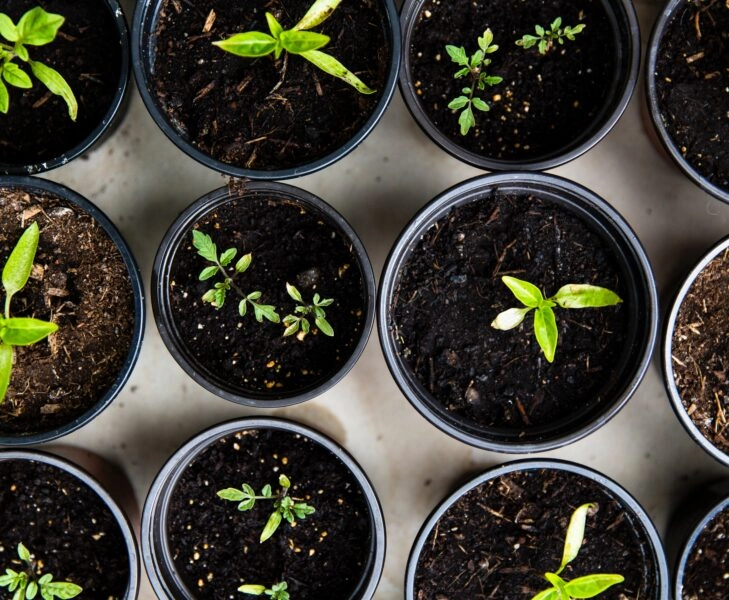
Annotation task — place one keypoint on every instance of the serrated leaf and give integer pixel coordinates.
(8, 30)
(510, 318)
(493, 79)
(556, 24)
(243, 263)
(16, 77)
(63, 589)
(575, 534)
(545, 330)
(20, 262)
(56, 84)
(480, 105)
(219, 298)
(45, 579)
(324, 326)
(458, 55)
(266, 311)
(204, 245)
(227, 256)
(539, 29)
(271, 526)
(303, 510)
(324, 302)
(38, 27)
(476, 59)
(590, 586)
(250, 44)
(6, 368)
(461, 73)
(466, 120)
(4, 99)
(20, 331)
(583, 295)
(294, 293)
(333, 67)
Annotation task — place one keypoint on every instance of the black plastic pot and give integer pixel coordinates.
(158, 561)
(109, 120)
(655, 566)
(143, 53)
(69, 469)
(181, 349)
(641, 303)
(667, 353)
(664, 19)
(626, 34)
(33, 184)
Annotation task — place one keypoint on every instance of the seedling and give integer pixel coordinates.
(475, 69)
(19, 331)
(221, 262)
(284, 506)
(546, 38)
(572, 295)
(26, 584)
(587, 586)
(303, 310)
(35, 28)
(297, 40)
(277, 592)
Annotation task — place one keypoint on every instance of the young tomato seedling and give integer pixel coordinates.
(276, 592)
(35, 28)
(297, 40)
(545, 38)
(475, 69)
(303, 310)
(284, 506)
(587, 586)
(572, 295)
(19, 331)
(27, 583)
(216, 296)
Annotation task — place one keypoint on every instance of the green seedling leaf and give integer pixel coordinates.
(575, 534)
(20, 262)
(480, 105)
(252, 589)
(274, 26)
(550, 594)
(509, 319)
(333, 67)
(56, 84)
(8, 30)
(38, 27)
(582, 295)
(6, 368)
(15, 76)
(25, 331)
(23, 552)
(323, 325)
(227, 257)
(4, 98)
(208, 272)
(271, 526)
(590, 586)
(284, 481)
(250, 44)
(31, 590)
(318, 12)
(458, 55)
(266, 311)
(525, 292)
(545, 329)
(458, 103)
(293, 292)
(243, 263)
(298, 42)
(466, 120)
(232, 494)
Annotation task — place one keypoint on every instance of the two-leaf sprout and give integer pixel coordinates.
(572, 295)
(276, 592)
(35, 28)
(19, 331)
(297, 40)
(26, 583)
(587, 586)
(546, 37)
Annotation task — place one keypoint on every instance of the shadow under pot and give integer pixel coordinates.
(202, 528)
(449, 282)
(42, 130)
(79, 297)
(686, 90)
(506, 529)
(271, 116)
(73, 530)
(264, 294)
(499, 105)
(694, 354)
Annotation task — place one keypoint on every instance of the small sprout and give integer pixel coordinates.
(307, 44)
(16, 331)
(587, 586)
(277, 592)
(475, 68)
(545, 38)
(284, 507)
(573, 295)
(35, 28)
(222, 267)
(27, 583)
(299, 320)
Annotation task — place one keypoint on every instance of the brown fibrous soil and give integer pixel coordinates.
(705, 572)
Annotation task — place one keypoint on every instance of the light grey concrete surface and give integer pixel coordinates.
(142, 181)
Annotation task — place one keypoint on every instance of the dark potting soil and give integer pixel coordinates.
(692, 86)
(63, 522)
(80, 282)
(499, 539)
(708, 563)
(86, 52)
(450, 290)
(216, 547)
(544, 103)
(700, 357)
(288, 244)
(266, 114)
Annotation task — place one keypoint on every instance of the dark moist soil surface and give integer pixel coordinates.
(288, 244)
(450, 290)
(544, 102)
(692, 86)
(705, 572)
(699, 352)
(80, 282)
(499, 539)
(86, 52)
(65, 525)
(216, 547)
(263, 113)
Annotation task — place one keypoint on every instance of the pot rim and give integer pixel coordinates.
(154, 542)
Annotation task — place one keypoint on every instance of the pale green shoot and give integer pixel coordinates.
(546, 38)
(298, 320)
(276, 592)
(27, 583)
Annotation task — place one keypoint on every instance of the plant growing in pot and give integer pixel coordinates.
(64, 70)
(444, 307)
(686, 90)
(262, 504)
(69, 286)
(267, 94)
(513, 85)
(263, 293)
(543, 530)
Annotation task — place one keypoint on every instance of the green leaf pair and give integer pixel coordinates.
(25, 585)
(545, 38)
(35, 28)
(572, 295)
(298, 40)
(276, 592)
(294, 322)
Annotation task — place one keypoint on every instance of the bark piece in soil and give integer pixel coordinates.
(216, 548)
(706, 568)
